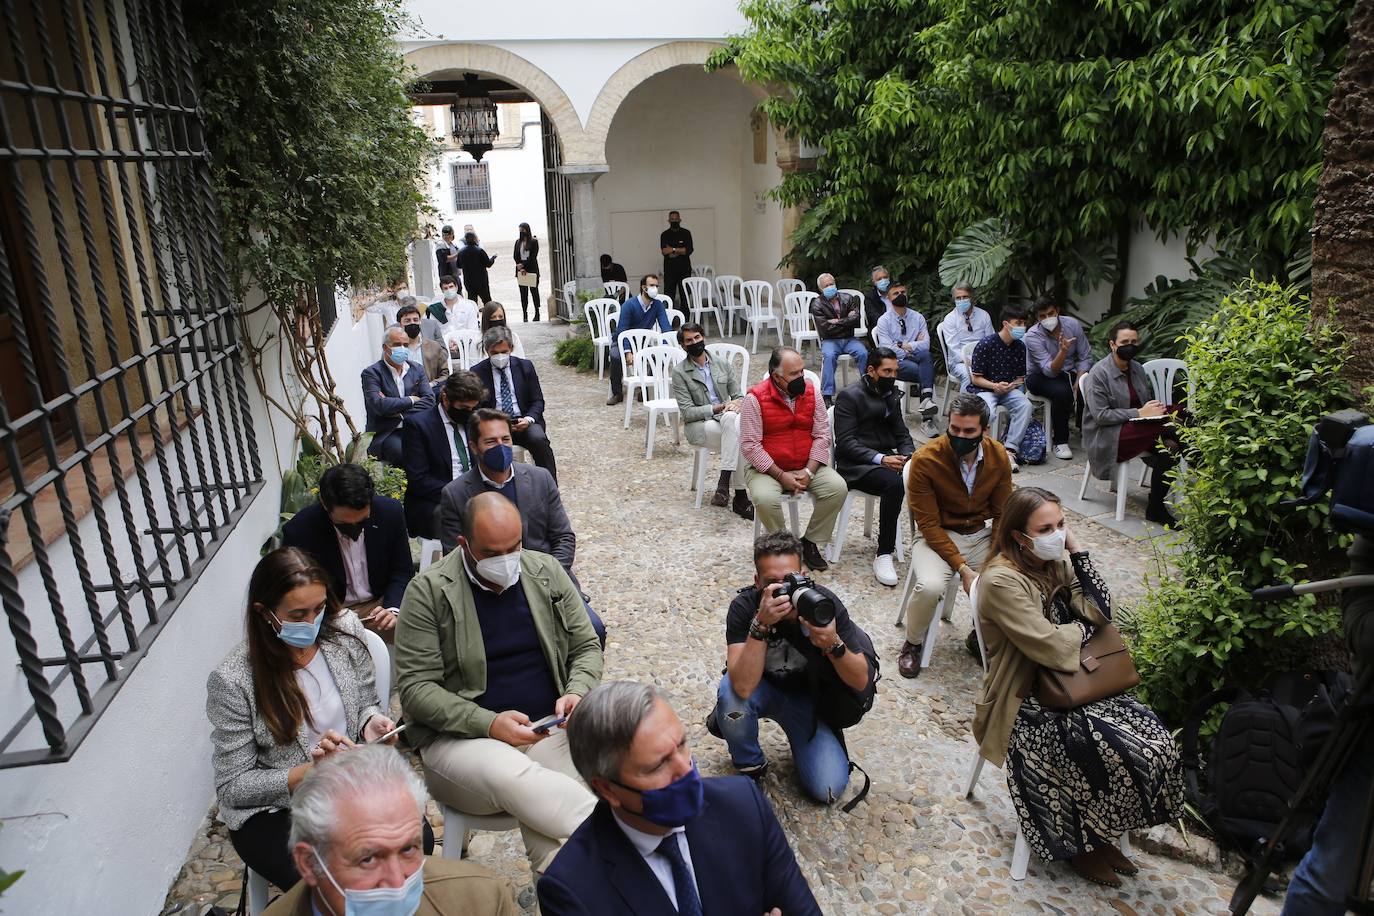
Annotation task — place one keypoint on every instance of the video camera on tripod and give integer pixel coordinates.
(1340, 460)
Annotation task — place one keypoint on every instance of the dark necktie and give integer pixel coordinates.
(688, 903)
(462, 447)
(503, 388)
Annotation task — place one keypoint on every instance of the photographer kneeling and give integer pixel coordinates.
(794, 656)
(1324, 878)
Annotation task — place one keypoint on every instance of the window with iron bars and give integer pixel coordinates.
(127, 448)
(471, 186)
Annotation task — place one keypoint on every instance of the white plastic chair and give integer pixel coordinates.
(796, 309)
(1162, 373)
(633, 378)
(431, 551)
(863, 329)
(570, 298)
(601, 317)
(758, 309)
(617, 290)
(704, 270)
(728, 299)
(700, 301)
(676, 318)
(847, 509)
(656, 364)
(1122, 474)
(469, 349)
(789, 285)
(458, 823)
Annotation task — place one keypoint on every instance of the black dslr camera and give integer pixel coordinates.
(1340, 458)
(812, 605)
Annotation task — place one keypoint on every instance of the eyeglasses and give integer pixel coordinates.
(901, 325)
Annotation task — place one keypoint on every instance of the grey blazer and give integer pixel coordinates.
(250, 766)
(1106, 406)
(543, 520)
(694, 401)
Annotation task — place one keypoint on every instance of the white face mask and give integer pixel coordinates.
(450, 295)
(501, 360)
(502, 571)
(1050, 323)
(651, 291)
(1050, 547)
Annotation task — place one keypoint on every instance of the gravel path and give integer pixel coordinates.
(661, 574)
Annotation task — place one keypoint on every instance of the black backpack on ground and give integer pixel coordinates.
(1259, 755)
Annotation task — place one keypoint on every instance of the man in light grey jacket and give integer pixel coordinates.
(708, 398)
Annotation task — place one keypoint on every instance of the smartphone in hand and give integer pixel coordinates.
(543, 725)
(382, 739)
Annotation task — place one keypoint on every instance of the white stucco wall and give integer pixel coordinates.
(517, 187)
(1149, 258)
(679, 141)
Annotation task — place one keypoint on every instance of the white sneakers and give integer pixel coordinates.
(928, 408)
(884, 571)
(1063, 452)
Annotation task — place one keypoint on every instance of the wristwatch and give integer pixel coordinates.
(838, 650)
(758, 631)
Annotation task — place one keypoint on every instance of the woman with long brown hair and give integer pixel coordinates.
(299, 688)
(493, 315)
(1079, 778)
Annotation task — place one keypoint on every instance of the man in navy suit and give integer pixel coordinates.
(662, 839)
(436, 450)
(513, 388)
(394, 389)
(360, 540)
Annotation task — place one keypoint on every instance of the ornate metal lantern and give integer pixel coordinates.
(474, 118)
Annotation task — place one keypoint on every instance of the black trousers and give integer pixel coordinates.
(527, 294)
(534, 440)
(1060, 392)
(886, 484)
(261, 844)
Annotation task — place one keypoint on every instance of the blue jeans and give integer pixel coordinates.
(1326, 875)
(1020, 408)
(959, 372)
(822, 764)
(830, 352)
(917, 367)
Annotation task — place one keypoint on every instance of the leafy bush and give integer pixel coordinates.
(578, 352)
(1262, 376)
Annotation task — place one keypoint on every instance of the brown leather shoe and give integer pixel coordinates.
(1118, 862)
(812, 557)
(742, 506)
(1094, 867)
(721, 498)
(909, 660)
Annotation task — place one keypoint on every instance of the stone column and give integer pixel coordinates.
(790, 159)
(586, 248)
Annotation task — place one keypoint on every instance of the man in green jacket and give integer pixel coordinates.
(497, 639)
(708, 397)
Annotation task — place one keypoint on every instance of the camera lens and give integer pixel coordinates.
(814, 607)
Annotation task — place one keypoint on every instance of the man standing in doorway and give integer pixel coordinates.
(676, 245)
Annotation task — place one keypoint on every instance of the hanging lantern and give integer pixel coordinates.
(474, 118)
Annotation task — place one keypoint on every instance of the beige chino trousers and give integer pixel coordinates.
(932, 577)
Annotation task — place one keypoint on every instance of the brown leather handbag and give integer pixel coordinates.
(1104, 670)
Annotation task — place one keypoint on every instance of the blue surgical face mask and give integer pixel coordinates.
(963, 305)
(400, 355)
(1017, 332)
(299, 635)
(676, 803)
(381, 901)
(498, 458)
(830, 291)
(883, 284)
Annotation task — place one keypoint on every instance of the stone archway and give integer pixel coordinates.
(578, 147)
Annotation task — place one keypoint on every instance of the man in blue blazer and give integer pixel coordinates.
(360, 539)
(436, 450)
(513, 387)
(395, 388)
(662, 839)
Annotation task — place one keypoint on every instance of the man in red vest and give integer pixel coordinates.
(784, 434)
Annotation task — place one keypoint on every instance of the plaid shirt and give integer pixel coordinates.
(751, 433)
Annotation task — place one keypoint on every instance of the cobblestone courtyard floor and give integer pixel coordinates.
(661, 574)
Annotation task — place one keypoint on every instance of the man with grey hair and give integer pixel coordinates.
(513, 388)
(356, 837)
(878, 299)
(662, 839)
(965, 324)
(836, 316)
(394, 388)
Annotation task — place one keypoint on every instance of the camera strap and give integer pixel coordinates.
(863, 793)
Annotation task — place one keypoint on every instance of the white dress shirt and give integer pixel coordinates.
(501, 377)
(354, 554)
(646, 844)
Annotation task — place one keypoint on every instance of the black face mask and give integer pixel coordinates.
(964, 446)
(795, 388)
(412, 331)
(696, 349)
(899, 300)
(1128, 351)
(675, 223)
(459, 415)
(496, 323)
(882, 385)
(350, 530)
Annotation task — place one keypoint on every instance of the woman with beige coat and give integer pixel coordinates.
(1079, 778)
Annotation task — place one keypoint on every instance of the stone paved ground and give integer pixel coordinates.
(661, 573)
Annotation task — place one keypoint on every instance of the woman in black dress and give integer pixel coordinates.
(526, 257)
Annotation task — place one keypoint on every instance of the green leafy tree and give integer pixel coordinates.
(1262, 376)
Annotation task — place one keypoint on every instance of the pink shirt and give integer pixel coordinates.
(751, 433)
